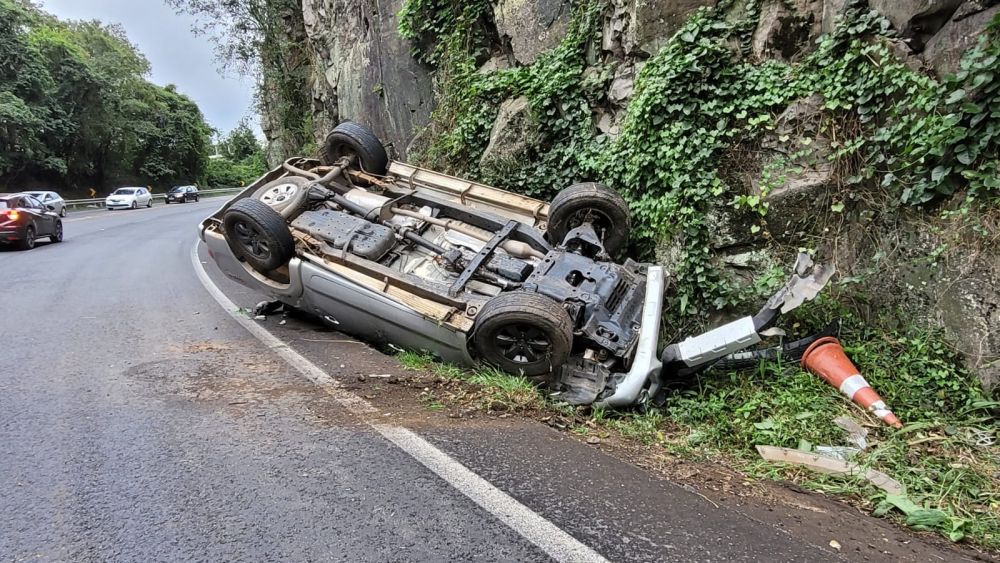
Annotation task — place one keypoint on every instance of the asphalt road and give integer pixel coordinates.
(140, 422)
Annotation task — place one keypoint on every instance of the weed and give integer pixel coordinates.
(415, 361)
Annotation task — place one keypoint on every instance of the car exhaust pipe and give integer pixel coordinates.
(646, 361)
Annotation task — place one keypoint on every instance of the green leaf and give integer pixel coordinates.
(837, 207)
(940, 172)
(955, 96)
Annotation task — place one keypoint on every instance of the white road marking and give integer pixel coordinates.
(548, 537)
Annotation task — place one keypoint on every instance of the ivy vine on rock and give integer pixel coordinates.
(696, 100)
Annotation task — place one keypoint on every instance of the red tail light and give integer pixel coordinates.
(12, 214)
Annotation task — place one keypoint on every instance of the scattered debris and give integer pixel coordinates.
(831, 466)
(268, 307)
(260, 318)
(843, 453)
(857, 435)
(593, 440)
(835, 544)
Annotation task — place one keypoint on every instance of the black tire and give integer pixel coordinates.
(258, 235)
(593, 202)
(62, 212)
(135, 204)
(149, 203)
(196, 198)
(166, 201)
(349, 139)
(28, 242)
(285, 195)
(523, 333)
(57, 234)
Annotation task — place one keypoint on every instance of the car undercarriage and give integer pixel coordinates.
(396, 254)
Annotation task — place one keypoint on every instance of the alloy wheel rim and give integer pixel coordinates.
(522, 343)
(279, 194)
(250, 239)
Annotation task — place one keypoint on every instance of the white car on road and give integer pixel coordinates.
(129, 198)
(51, 200)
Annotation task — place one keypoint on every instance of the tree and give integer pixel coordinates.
(265, 39)
(76, 108)
(239, 159)
(241, 143)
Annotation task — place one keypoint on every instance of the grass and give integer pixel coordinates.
(945, 457)
(500, 391)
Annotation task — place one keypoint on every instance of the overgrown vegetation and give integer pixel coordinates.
(697, 99)
(892, 130)
(238, 159)
(945, 457)
(77, 111)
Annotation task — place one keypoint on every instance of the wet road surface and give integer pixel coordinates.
(140, 422)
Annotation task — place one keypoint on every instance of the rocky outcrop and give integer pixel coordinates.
(531, 27)
(642, 27)
(365, 71)
(514, 134)
(785, 28)
(917, 20)
(944, 51)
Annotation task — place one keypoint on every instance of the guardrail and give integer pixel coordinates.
(99, 201)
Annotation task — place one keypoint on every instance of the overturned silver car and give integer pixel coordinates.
(393, 253)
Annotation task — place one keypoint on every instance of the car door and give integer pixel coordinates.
(146, 196)
(44, 219)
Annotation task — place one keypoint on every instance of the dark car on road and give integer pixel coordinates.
(23, 219)
(182, 194)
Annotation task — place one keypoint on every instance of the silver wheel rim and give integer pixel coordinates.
(279, 195)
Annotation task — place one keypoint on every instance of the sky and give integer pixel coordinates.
(176, 54)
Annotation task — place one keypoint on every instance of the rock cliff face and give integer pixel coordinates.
(363, 70)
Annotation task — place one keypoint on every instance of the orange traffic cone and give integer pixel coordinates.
(826, 358)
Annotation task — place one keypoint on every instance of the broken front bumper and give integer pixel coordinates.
(640, 380)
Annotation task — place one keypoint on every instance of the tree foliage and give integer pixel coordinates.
(76, 109)
(264, 39)
(238, 160)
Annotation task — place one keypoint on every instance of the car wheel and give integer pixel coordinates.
(149, 203)
(57, 235)
(135, 204)
(597, 204)
(62, 212)
(352, 139)
(284, 195)
(28, 242)
(258, 234)
(197, 198)
(523, 333)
